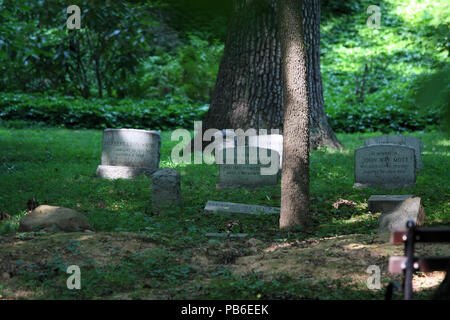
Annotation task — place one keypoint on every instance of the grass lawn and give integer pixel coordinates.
(135, 254)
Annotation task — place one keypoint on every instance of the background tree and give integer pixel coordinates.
(248, 88)
(295, 177)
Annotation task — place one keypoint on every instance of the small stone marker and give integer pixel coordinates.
(395, 219)
(166, 190)
(268, 141)
(400, 140)
(229, 207)
(384, 203)
(128, 153)
(386, 166)
(227, 235)
(251, 171)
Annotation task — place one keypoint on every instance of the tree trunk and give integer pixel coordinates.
(321, 133)
(248, 87)
(443, 291)
(247, 93)
(295, 177)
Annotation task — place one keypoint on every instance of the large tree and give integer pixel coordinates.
(295, 177)
(248, 90)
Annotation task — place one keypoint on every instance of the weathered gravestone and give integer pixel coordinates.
(396, 218)
(400, 140)
(128, 153)
(268, 141)
(247, 167)
(166, 190)
(385, 203)
(385, 166)
(229, 207)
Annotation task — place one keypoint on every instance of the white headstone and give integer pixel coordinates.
(128, 153)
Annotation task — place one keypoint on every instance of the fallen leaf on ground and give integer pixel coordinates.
(342, 202)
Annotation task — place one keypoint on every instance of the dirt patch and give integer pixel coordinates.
(22, 252)
(341, 257)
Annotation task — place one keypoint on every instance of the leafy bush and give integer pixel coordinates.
(70, 112)
(384, 119)
(189, 73)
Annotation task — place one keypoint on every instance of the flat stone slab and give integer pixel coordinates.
(400, 140)
(54, 219)
(396, 219)
(136, 149)
(229, 207)
(385, 166)
(248, 167)
(384, 203)
(227, 235)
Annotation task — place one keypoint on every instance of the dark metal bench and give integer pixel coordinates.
(409, 264)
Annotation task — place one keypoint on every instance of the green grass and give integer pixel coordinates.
(57, 167)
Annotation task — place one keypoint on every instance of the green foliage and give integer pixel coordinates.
(70, 112)
(40, 53)
(190, 73)
(371, 76)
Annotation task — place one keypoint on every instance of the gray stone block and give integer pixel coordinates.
(166, 190)
(396, 219)
(384, 203)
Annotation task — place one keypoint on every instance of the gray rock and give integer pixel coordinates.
(385, 203)
(53, 218)
(385, 166)
(127, 153)
(166, 190)
(396, 219)
(400, 140)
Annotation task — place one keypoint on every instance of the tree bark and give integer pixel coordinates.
(248, 87)
(295, 177)
(321, 133)
(443, 291)
(247, 93)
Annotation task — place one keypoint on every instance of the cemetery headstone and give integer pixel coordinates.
(395, 219)
(268, 141)
(385, 166)
(401, 140)
(385, 203)
(166, 190)
(244, 167)
(229, 207)
(127, 153)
